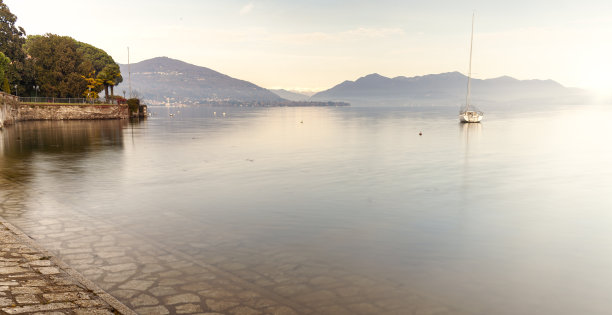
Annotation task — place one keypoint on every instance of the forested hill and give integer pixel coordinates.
(162, 79)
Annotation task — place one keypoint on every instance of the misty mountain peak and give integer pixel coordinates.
(374, 77)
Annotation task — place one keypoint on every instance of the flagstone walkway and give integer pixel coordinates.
(32, 281)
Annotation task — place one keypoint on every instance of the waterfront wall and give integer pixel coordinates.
(70, 112)
(12, 111)
(9, 106)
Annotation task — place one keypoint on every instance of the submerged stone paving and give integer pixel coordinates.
(207, 273)
(32, 282)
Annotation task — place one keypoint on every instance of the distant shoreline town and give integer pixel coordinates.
(234, 103)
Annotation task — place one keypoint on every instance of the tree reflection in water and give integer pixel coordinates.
(68, 142)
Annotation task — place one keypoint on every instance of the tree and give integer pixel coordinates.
(12, 37)
(6, 87)
(63, 66)
(58, 64)
(55, 63)
(93, 85)
(99, 58)
(4, 66)
(110, 76)
(118, 80)
(104, 65)
(133, 105)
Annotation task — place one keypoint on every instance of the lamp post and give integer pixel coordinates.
(16, 90)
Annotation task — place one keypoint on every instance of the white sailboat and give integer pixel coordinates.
(469, 114)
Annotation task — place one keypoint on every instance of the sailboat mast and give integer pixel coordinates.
(469, 84)
(129, 73)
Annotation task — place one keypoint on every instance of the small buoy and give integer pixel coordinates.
(420, 133)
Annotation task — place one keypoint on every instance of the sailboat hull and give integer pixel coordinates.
(470, 117)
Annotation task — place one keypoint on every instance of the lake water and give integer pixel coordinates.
(324, 210)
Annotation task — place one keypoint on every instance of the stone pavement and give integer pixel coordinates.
(205, 270)
(34, 282)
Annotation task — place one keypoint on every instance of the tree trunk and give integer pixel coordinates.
(106, 92)
(112, 91)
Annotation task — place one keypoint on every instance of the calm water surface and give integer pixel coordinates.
(325, 210)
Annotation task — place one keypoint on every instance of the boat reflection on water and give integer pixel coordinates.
(471, 135)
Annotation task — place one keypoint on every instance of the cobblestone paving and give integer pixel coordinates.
(194, 276)
(30, 282)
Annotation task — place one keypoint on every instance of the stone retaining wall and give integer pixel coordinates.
(8, 109)
(70, 112)
(12, 111)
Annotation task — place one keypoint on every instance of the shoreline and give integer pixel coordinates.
(33, 112)
(12, 111)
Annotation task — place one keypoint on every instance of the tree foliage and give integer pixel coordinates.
(59, 65)
(6, 87)
(93, 85)
(99, 58)
(65, 67)
(106, 68)
(4, 67)
(110, 76)
(133, 105)
(11, 36)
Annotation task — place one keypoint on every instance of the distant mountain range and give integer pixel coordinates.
(445, 88)
(160, 80)
(164, 80)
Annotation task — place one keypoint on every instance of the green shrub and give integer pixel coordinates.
(6, 87)
(133, 104)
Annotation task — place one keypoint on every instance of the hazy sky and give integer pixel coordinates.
(317, 44)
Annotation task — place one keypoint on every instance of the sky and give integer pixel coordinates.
(314, 45)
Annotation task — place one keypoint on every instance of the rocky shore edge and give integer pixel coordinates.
(33, 280)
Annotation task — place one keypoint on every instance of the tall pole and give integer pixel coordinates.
(467, 97)
(129, 73)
